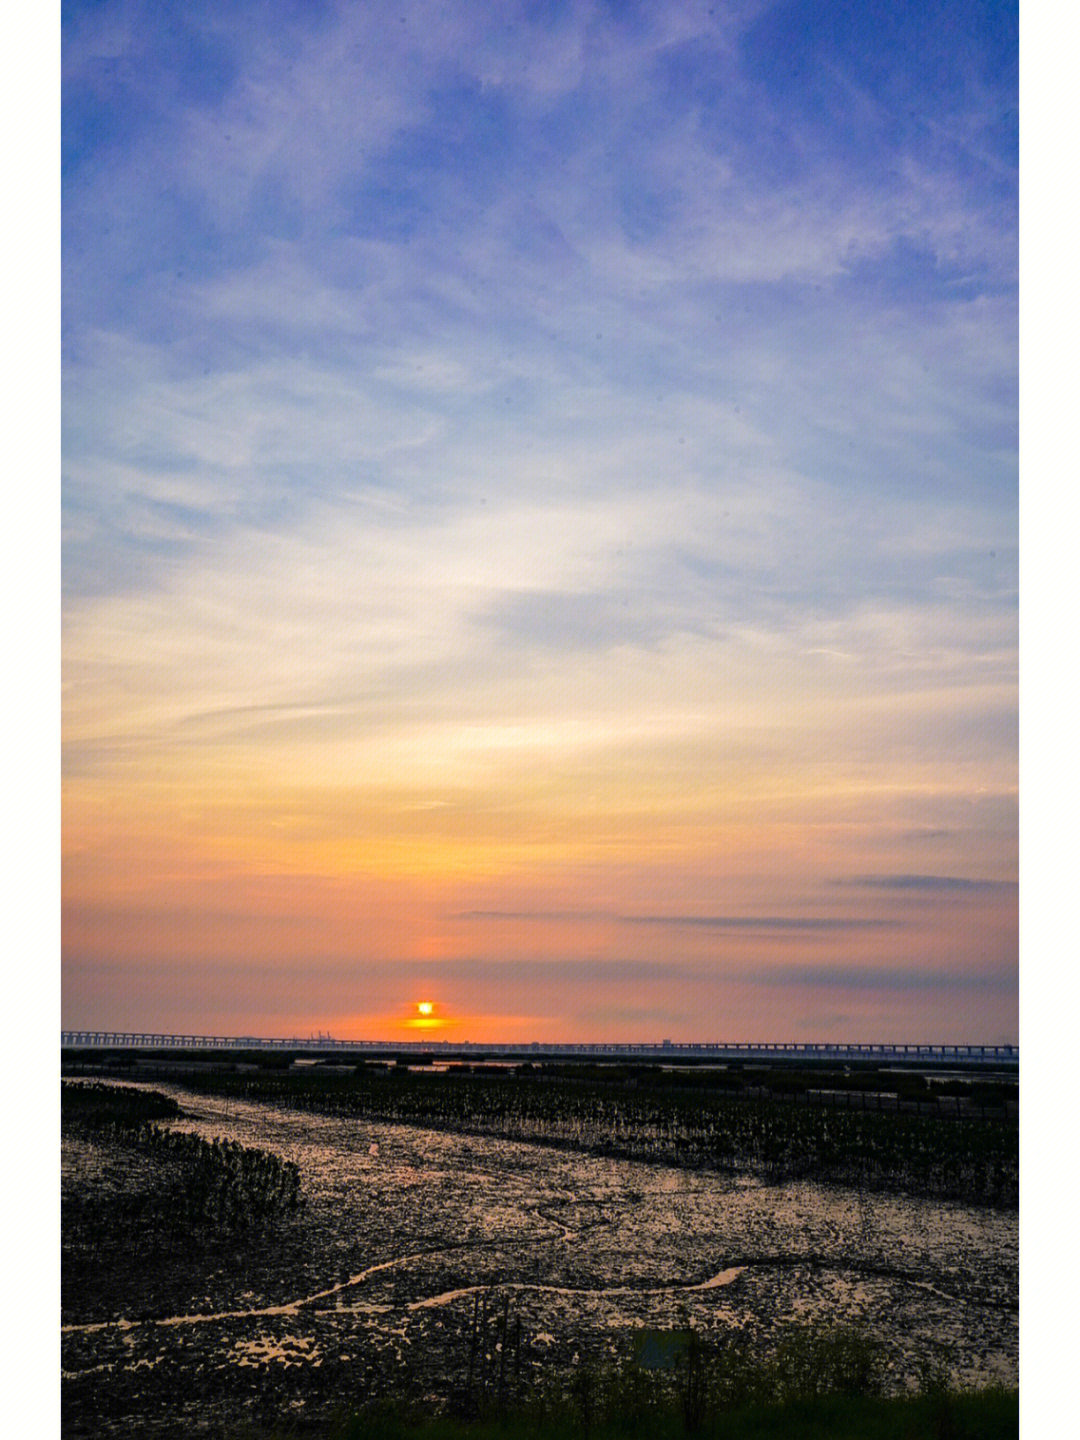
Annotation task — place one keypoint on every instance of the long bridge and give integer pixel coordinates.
(662, 1050)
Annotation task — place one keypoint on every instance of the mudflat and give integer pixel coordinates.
(418, 1256)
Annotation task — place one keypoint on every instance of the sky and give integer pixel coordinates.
(540, 520)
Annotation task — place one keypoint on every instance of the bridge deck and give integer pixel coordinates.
(98, 1039)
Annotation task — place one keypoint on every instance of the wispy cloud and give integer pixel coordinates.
(895, 979)
(931, 884)
(573, 453)
(807, 924)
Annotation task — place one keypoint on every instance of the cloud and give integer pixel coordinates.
(895, 978)
(931, 884)
(804, 924)
(627, 1001)
(562, 621)
(383, 630)
(501, 444)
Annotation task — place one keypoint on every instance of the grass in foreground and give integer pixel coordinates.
(818, 1384)
(984, 1415)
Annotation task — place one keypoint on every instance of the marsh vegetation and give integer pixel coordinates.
(781, 1123)
(384, 1248)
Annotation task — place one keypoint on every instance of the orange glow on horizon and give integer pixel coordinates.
(426, 1018)
(471, 1028)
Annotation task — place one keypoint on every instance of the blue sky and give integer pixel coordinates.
(569, 450)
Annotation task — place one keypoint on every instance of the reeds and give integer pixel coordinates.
(179, 1188)
(973, 1158)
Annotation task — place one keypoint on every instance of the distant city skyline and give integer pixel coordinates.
(540, 520)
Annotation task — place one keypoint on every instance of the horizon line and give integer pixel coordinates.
(93, 1038)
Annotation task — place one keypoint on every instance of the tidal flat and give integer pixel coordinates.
(419, 1259)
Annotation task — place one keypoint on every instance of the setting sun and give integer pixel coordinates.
(425, 1017)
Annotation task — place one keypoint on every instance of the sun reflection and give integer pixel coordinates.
(425, 1017)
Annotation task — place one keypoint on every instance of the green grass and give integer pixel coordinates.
(817, 1384)
(982, 1415)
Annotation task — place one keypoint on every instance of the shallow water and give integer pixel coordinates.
(405, 1228)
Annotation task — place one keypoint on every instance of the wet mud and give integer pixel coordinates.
(414, 1245)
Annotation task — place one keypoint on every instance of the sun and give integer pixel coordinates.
(426, 1016)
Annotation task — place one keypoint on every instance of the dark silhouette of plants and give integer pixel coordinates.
(170, 1187)
(970, 1156)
